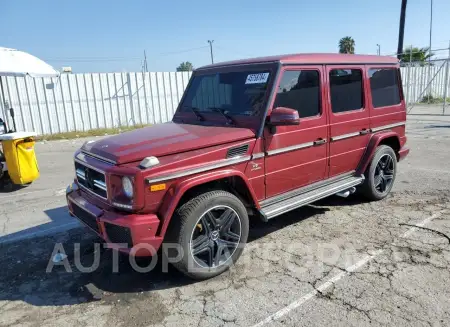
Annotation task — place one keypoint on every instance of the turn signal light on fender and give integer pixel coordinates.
(157, 187)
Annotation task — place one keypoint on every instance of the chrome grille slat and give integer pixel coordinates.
(100, 184)
(91, 179)
(80, 174)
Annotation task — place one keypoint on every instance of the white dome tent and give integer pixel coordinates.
(20, 64)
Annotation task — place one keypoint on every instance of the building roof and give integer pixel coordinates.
(312, 58)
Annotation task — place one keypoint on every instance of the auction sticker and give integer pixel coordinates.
(257, 78)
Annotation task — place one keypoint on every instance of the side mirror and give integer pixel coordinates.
(282, 116)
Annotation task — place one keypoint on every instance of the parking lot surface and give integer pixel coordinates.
(339, 262)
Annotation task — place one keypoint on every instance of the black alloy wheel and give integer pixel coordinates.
(215, 237)
(384, 173)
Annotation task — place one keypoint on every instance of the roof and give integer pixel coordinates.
(312, 58)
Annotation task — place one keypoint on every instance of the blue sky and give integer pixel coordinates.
(106, 36)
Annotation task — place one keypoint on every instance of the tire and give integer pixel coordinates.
(380, 175)
(211, 229)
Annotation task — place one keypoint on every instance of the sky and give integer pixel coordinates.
(108, 36)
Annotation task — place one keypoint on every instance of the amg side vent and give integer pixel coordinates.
(237, 151)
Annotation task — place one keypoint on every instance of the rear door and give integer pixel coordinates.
(386, 103)
(349, 117)
(297, 155)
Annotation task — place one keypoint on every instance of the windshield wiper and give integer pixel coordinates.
(229, 119)
(195, 110)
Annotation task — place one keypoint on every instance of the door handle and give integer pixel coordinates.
(364, 131)
(320, 141)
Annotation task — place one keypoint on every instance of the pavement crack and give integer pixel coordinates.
(428, 229)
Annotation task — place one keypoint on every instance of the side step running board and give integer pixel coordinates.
(284, 206)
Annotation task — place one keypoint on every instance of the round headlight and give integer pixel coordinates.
(127, 186)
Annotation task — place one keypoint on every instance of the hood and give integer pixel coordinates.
(161, 140)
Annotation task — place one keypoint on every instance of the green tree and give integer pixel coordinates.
(347, 45)
(416, 54)
(185, 67)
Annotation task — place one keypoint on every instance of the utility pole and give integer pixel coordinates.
(210, 47)
(379, 50)
(429, 49)
(401, 29)
(145, 62)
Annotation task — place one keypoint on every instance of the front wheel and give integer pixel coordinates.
(380, 175)
(207, 234)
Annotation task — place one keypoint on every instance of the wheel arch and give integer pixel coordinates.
(389, 138)
(230, 180)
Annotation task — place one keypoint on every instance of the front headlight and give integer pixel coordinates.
(127, 185)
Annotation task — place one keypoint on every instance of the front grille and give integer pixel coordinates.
(118, 234)
(85, 217)
(91, 179)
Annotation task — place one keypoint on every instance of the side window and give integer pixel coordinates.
(300, 90)
(384, 87)
(346, 90)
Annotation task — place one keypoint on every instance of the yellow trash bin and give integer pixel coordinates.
(18, 149)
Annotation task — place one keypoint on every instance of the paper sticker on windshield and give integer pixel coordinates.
(257, 78)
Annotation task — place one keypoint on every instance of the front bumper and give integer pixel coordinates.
(126, 232)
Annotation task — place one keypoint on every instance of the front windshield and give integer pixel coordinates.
(234, 93)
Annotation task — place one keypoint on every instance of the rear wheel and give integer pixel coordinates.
(211, 229)
(380, 175)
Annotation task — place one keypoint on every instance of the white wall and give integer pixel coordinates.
(76, 102)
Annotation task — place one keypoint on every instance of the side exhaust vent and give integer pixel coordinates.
(237, 151)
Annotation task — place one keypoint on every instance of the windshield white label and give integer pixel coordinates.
(257, 78)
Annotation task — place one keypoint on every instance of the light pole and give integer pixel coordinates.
(401, 29)
(378, 50)
(210, 47)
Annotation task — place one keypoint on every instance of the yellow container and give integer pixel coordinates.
(21, 160)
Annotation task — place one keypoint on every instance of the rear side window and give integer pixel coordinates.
(346, 90)
(384, 87)
(299, 90)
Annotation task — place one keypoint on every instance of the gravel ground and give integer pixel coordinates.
(340, 262)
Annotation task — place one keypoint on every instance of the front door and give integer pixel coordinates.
(297, 155)
(349, 118)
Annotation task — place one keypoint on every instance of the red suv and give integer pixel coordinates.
(251, 139)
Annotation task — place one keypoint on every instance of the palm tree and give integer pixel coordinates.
(185, 67)
(347, 45)
(415, 54)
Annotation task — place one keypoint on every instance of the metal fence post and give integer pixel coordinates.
(71, 104)
(110, 101)
(103, 101)
(20, 104)
(446, 81)
(47, 106)
(95, 101)
(138, 100)
(145, 98)
(87, 101)
(29, 104)
(38, 106)
(64, 103)
(130, 95)
(79, 102)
